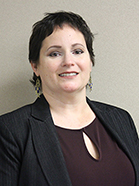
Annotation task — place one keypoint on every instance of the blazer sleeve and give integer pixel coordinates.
(9, 157)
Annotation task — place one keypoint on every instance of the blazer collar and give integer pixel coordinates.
(40, 109)
(109, 120)
(47, 145)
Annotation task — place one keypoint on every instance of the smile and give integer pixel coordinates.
(68, 74)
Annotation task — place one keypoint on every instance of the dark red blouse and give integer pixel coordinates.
(113, 167)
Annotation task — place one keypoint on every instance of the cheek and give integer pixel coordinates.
(87, 65)
(51, 68)
(48, 71)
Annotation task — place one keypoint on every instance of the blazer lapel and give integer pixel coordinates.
(113, 124)
(110, 123)
(47, 145)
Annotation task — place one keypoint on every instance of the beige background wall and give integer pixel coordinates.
(115, 24)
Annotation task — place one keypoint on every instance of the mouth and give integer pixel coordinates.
(68, 74)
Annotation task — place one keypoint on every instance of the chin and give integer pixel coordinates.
(73, 89)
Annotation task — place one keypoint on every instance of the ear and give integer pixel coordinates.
(34, 68)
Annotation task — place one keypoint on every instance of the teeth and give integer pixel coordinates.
(68, 74)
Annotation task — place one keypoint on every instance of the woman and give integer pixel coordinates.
(63, 138)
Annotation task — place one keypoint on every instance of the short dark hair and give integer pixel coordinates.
(46, 26)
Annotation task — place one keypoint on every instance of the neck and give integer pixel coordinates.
(66, 100)
(70, 110)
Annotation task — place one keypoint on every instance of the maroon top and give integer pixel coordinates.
(113, 167)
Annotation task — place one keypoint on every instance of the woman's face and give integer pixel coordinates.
(64, 62)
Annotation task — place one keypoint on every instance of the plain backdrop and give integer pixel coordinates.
(115, 24)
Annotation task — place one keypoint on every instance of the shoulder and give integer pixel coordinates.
(105, 107)
(15, 123)
(16, 115)
(20, 117)
(119, 117)
(117, 114)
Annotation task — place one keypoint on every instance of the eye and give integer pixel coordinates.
(78, 51)
(55, 54)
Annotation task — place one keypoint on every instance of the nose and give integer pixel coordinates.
(68, 60)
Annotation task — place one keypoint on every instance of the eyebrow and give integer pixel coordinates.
(58, 46)
(77, 44)
(53, 46)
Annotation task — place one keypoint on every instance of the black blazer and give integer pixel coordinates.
(30, 153)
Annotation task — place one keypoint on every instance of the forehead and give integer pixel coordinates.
(64, 34)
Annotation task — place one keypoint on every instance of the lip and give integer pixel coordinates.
(68, 74)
